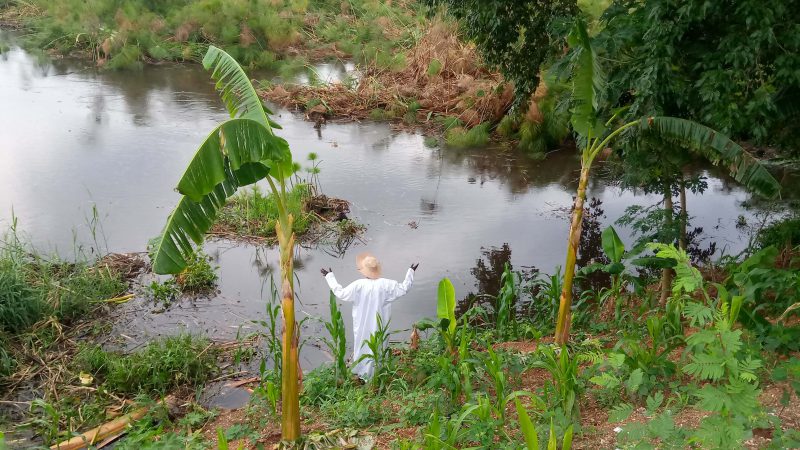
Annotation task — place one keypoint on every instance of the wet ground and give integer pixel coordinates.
(78, 141)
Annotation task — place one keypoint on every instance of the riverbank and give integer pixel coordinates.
(416, 73)
(276, 35)
(497, 381)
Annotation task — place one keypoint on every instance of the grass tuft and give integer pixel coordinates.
(460, 137)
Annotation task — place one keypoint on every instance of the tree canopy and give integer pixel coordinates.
(730, 65)
(515, 37)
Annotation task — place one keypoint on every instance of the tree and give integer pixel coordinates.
(238, 152)
(730, 65)
(515, 37)
(593, 134)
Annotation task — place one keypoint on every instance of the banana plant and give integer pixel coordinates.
(594, 135)
(529, 431)
(240, 151)
(446, 313)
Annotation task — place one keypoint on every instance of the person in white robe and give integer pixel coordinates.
(371, 295)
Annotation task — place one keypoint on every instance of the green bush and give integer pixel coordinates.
(160, 367)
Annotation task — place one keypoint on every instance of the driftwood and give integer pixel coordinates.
(108, 431)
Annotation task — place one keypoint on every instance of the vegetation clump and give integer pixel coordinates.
(442, 76)
(254, 213)
(155, 370)
(462, 138)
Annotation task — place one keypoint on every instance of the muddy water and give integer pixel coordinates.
(76, 140)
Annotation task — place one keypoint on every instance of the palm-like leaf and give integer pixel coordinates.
(588, 82)
(236, 142)
(717, 147)
(235, 88)
(237, 153)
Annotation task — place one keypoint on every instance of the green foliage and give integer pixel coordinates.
(732, 68)
(256, 33)
(21, 305)
(434, 67)
(198, 276)
(447, 324)
(516, 38)
(781, 234)
(687, 278)
(446, 304)
(716, 148)
(544, 304)
(506, 299)
(380, 354)
(566, 386)
(237, 153)
(33, 288)
(164, 292)
(476, 136)
(337, 344)
(155, 370)
(448, 122)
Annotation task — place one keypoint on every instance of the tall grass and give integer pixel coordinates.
(33, 288)
(258, 33)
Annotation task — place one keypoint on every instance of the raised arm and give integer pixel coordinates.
(400, 289)
(344, 294)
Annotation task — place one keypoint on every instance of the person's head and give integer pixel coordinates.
(368, 265)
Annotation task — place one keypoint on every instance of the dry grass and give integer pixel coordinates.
(442, 77)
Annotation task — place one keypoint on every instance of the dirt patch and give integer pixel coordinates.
(519, 346)
(441, 77)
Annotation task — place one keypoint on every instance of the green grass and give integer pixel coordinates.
(459, 137)
(155, 370)
(253, 213)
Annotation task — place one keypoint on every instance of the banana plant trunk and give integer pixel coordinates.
(565, 305)
(682, 241)
(290, 398)
(666, 273)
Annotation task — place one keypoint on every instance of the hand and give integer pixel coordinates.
(414, 266)
(326, 271)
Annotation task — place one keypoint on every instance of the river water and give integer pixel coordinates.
(77, 140)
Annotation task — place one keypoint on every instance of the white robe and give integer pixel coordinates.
(370, 298)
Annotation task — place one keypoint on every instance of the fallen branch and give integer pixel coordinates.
(108, 429)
